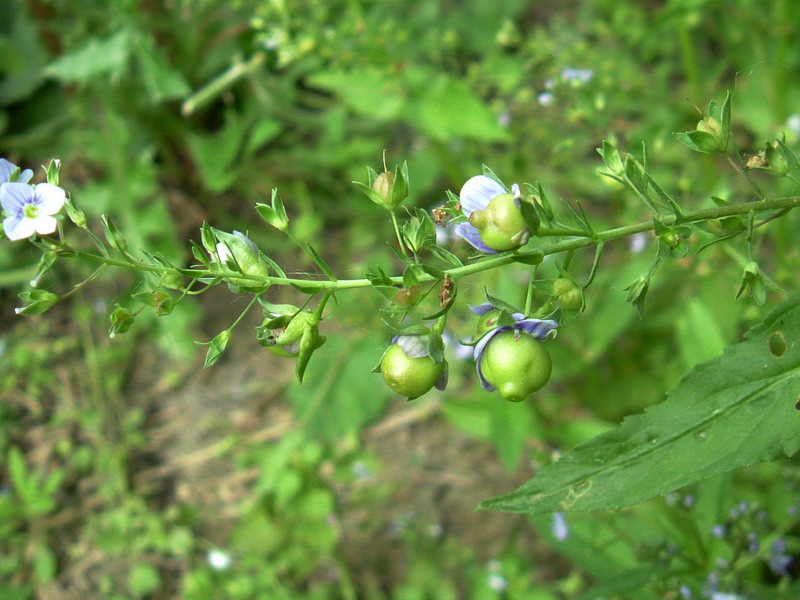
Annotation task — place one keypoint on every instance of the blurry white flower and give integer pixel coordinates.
(218, 560)
(497, 582)
(577, 75)
(546, 98)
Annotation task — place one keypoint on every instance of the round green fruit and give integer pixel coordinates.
(517, 364)
(500, 225)
(408, 376)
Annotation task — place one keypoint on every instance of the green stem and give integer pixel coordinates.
(397, 232)
(490, 262)
(529, 295)
(222, 82)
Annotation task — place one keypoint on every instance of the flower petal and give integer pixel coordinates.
(44, 224)
(469, 233)
(482, 309)
(50, 198)
(6, 169)
(477, 192)
(14, 197)
(478, 354)
(415, 346)
(18, 228)
(538, 328)
(25, 176)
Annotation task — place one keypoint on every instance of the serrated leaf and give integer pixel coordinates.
(731, 411)
(108, 56)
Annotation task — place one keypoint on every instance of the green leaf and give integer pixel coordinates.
(729, 412)
(107, 57)
(161, 81)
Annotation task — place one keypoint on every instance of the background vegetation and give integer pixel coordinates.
(129, 472)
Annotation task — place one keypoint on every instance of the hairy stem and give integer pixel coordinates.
(489, 262)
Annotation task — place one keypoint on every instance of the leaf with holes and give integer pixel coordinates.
(734, 410)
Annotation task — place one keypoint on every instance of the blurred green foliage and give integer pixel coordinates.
(166, 114)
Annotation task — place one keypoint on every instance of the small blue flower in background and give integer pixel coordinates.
(7, 170)
(30, 208)
(538, 328)
(560, 527)
(476, 194)
(779, 560)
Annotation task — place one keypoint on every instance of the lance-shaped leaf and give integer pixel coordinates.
(734, 410)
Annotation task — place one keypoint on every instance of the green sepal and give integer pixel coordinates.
(699, 141)
(500, 304)
(113, 235)
(436, 347)
(216, 347)
(445, 256)
(487, 172)
(309, 343)
(46, 262)
(611, 158)
(38, 301)
(792, 164)
(713, 132)
(637, 292)
(407, 330)
(752, 279)
(121, 321)
(75, 214)
(208, 238)
(53, 171)
(529, 214)
(274, 214)
(199, 255)
(410, 278)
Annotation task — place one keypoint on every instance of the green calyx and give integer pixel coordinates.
(410, 377)
(501, 225)
(517, 364)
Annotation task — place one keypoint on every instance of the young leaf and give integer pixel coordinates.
(731, 411)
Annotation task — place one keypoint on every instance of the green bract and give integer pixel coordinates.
(517, 364)
(408, 376)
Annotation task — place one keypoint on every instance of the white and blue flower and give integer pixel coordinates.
(538, 328)
(475, 195)
(30, 209)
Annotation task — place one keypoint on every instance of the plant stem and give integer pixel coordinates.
(490, 262)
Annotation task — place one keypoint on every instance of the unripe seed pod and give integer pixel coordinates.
(516, 363)
(410, 377)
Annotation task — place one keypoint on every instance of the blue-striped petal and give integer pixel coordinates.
(469, 233)
(414, 346)
(482, 309)
(477, 192)
(538, 328)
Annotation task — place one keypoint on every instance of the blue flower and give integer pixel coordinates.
(7, 170)
(30, 208)
(538, 328)
(476, 194)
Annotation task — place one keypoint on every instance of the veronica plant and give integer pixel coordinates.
(650, 454)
